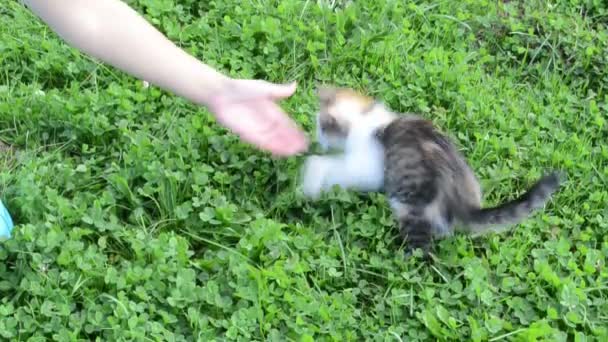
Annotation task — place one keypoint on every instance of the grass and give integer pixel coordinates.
(139, 218)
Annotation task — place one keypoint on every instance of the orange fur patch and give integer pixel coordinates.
(330, 96)
(351, 95)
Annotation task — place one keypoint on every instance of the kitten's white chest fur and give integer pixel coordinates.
(360, 167)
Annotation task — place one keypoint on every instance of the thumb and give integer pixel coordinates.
(277, 91)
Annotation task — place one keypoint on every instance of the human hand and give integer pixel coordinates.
(249, 109)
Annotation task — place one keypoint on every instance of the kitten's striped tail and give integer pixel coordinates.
(513, 211)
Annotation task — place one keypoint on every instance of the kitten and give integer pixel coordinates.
(429, 185)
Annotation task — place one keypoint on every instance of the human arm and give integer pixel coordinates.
(114, 33)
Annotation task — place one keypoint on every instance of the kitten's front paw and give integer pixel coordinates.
(313, 176)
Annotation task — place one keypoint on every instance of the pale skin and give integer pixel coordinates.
(114, 33)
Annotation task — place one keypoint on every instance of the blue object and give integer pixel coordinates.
(6, 222)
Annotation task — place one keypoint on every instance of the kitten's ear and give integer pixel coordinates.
(326, 94)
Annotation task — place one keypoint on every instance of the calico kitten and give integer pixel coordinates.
(429, 185)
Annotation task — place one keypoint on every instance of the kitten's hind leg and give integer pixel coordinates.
(416, 230)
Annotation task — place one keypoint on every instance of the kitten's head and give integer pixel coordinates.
(340, 109)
